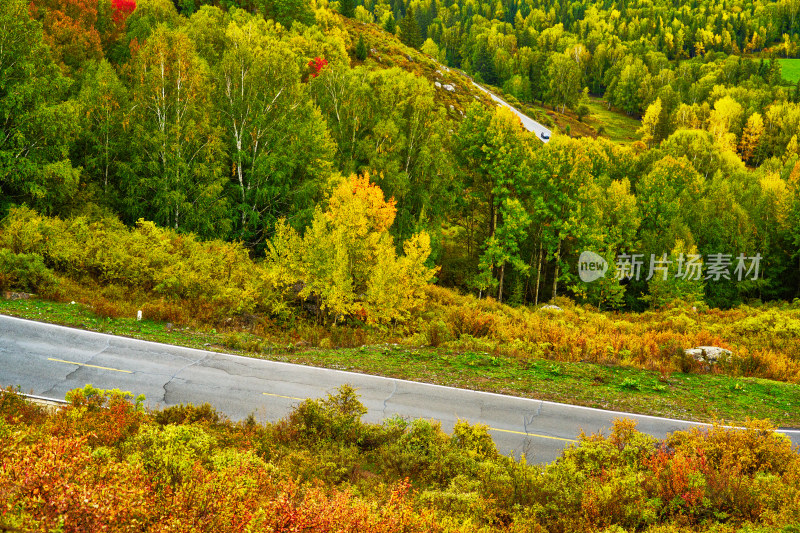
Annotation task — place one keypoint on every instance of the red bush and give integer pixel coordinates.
(316, 65)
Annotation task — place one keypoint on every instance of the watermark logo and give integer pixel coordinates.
(591, 267)
(689, 267)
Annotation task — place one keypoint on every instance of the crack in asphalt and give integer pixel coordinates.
(88, 361)
(49, 391)
(172, 377)
(77, 368)
(529, 419)
(394, 389)
(248, 369)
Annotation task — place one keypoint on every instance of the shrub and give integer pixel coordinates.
(188, 414)
(15, 409)
(475, 440)
(109, 412)
(170, 452)
(24, 272)
(155, 260)
(336, 418)
(470, 321)
(436, 333)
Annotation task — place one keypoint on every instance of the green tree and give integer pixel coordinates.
(100, 148)
(175, 175)
(206, 28)
(347, 8)
(409, 29)
(389, 24)
(361, 49)
(678, 280)
(504, 247)
(495, 150)
(619, 220)
(565, 89)
(150, 14)
(287, 12)
(37, 123)
(664, 194)
(483, 63)
(630, 89)
(565, 197)
(651, 124)
(276, 139)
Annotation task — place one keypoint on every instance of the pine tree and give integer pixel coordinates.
(389, 24)
(483, 64)
(347, 8)
(361, 49)
(409, 29)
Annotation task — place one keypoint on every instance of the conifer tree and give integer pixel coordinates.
(361, 49)
(409, 29)
(390, 25)
(347, 8)
(483, 63)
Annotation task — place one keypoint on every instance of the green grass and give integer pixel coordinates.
(790, 68)
(618, 126)
(701, 397)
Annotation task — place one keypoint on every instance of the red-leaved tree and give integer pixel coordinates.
(122, 10)
(316, 65)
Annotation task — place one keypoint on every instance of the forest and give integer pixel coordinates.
(237, 122)
(319, 182)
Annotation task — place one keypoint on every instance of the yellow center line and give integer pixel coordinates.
(532, 435)
(90, 366)
(282, 396)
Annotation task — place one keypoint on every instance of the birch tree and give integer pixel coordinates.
(175, 176)
(276, 139)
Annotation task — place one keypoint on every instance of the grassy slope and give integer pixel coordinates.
(790, 68)
(701, 397)
(618, 126)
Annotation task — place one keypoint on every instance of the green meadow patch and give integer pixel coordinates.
(790, 68)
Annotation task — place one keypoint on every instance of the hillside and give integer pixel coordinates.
(320, 183)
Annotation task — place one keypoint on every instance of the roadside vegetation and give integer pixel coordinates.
(320, 183)
(622, 361)
(103, 463)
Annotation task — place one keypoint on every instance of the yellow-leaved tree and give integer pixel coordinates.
(346, 261)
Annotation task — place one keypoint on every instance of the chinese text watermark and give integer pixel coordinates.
(688, 267)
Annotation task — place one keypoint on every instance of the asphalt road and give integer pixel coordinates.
(527, 122)
(49, 360)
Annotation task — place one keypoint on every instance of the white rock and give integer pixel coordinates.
(437, 84)
(551, 307)
(450, 88)
(709, 354)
